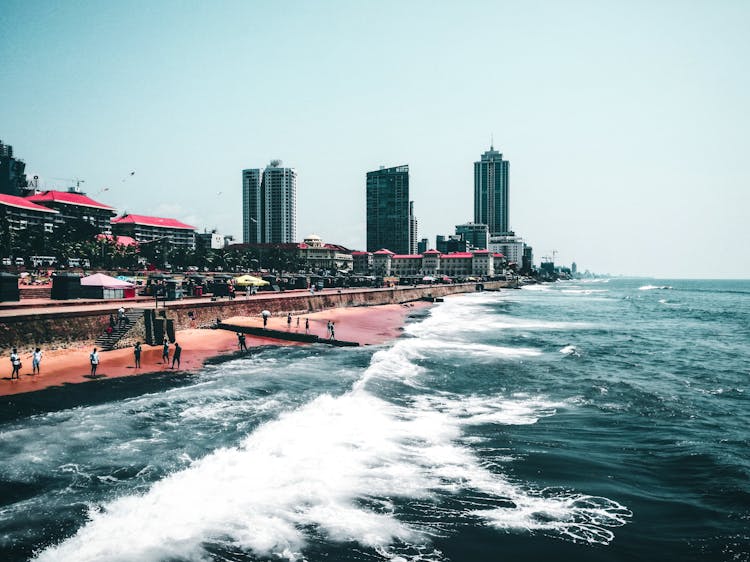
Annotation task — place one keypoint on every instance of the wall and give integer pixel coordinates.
(68, 329)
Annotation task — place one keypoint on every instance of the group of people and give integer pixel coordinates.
(16, 364)
(176, 356)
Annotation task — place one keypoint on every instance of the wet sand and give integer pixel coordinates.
(366, 325)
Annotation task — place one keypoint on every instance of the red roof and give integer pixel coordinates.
(480, 251)
(498, 255)
(432, 252)
(119, 240)
(23, 203)
(384, 252)
(458, 255)
(337, 247)
(68, 198)
(152, 221)
(358, 253)
(406, 256)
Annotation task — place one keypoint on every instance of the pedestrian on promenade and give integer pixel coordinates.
(137, 354)
(94, 359)
(165, 352)
(176, 356)
(15, 361)
(288, 320)
(241, 340)
(36, 360)
(112, 321)
(333, 327)
(121, 315)
(307, 325)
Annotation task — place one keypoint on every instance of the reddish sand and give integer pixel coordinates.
(366, 325)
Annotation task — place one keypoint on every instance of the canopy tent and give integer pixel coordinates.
(249, 281)
(428, 278)
(105, 281)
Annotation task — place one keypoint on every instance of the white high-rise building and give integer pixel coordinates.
(269, 204)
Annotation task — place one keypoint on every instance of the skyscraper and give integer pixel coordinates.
(491, 192)
(269, 204)
(12, 177)
(389, 211)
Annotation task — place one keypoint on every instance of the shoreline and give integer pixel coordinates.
(368, 325)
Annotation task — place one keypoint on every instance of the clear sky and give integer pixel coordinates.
(626, 123)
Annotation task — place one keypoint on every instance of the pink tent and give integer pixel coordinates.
(105, 281)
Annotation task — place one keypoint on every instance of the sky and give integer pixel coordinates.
(625, 123)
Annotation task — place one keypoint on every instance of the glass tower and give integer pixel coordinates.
(491, 191)
(269, 205)
(389, 211)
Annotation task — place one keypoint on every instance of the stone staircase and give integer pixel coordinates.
(107, 342)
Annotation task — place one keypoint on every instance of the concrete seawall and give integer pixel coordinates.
(56, 329)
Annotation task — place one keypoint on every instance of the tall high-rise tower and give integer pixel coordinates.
(269, 204)
(389, 211)
(491, 191)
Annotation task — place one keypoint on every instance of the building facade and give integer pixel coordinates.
(476, 235)
(73, 205)
(269, 205)
(209, 240)
(491, 192)
(390, 219)
(510, 245)
(148, 229)
(12, 176)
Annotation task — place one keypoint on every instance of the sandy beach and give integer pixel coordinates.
(365, 325)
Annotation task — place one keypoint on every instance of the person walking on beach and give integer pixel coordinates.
(36, 360)
(307, 325)
(265, 321)
(298, 322)
(165, 352)
(241, 340)
(288, 320)
(176, 356)
(15, 361)
(137, 354)
(329, 327)
(333, 331)
(94, 358)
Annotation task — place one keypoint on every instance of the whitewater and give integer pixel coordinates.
(499, 424)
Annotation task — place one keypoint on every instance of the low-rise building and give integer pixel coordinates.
(146, 229)
(74, 205)
(209, 240)
(362, 263)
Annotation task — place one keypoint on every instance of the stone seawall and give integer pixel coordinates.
(64, 329)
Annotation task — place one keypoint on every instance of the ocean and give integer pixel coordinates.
(603, 420)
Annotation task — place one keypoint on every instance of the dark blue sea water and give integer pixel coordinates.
(586, 421)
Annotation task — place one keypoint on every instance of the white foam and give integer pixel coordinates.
(654, 287)
(571, 350)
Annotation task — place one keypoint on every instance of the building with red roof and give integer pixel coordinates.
(73, 205)
(481, 263)
(145, 228)
(18, 213)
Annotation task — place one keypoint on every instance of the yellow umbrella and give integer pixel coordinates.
(249, 281)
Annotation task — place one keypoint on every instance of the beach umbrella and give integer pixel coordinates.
(428, 278)
(265, 313)
(249, 281)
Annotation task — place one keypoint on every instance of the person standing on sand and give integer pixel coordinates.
(137, 354)
(307, 325)
(332, 331)
(176, 356)
(165, 352)
(288, 320)
(94, 358)
(298, 322)
(265, 321)
(15, 361)
(241, 340)
(36, 360)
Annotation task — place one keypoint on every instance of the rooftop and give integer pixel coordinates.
(67, 198)
(152, 221)
(23, 203)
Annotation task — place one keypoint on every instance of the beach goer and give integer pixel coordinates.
(328, 329)
(94, 359)
(165, 351)
(307, 325)
(137, 354)
(176, 355)
(121, 315)
(265, 321)
(289, 321)
(241, 341)
(15, 361)
(36, 361)
(297, 322)
(333, 327)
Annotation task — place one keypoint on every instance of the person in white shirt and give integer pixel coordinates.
(15, 361)
(94, 358)
(36, 360)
